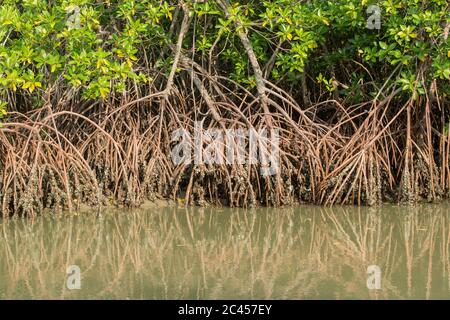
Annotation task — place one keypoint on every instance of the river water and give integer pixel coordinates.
(306, 252)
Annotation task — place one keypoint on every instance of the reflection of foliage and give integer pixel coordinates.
(267, 254)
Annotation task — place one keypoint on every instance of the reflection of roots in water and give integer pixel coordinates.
(203, 253)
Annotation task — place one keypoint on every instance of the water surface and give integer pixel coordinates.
(207, 253)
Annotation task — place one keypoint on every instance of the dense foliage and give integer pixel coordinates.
(363, 105)
(102, 47)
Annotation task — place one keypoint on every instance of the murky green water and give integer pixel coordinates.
(177, 253)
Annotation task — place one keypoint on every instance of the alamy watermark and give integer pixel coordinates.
(228, 146)
(73, 21)
(73, 281)
(374, 278)
(374, 20)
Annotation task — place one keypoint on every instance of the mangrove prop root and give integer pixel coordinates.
(118, 150)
